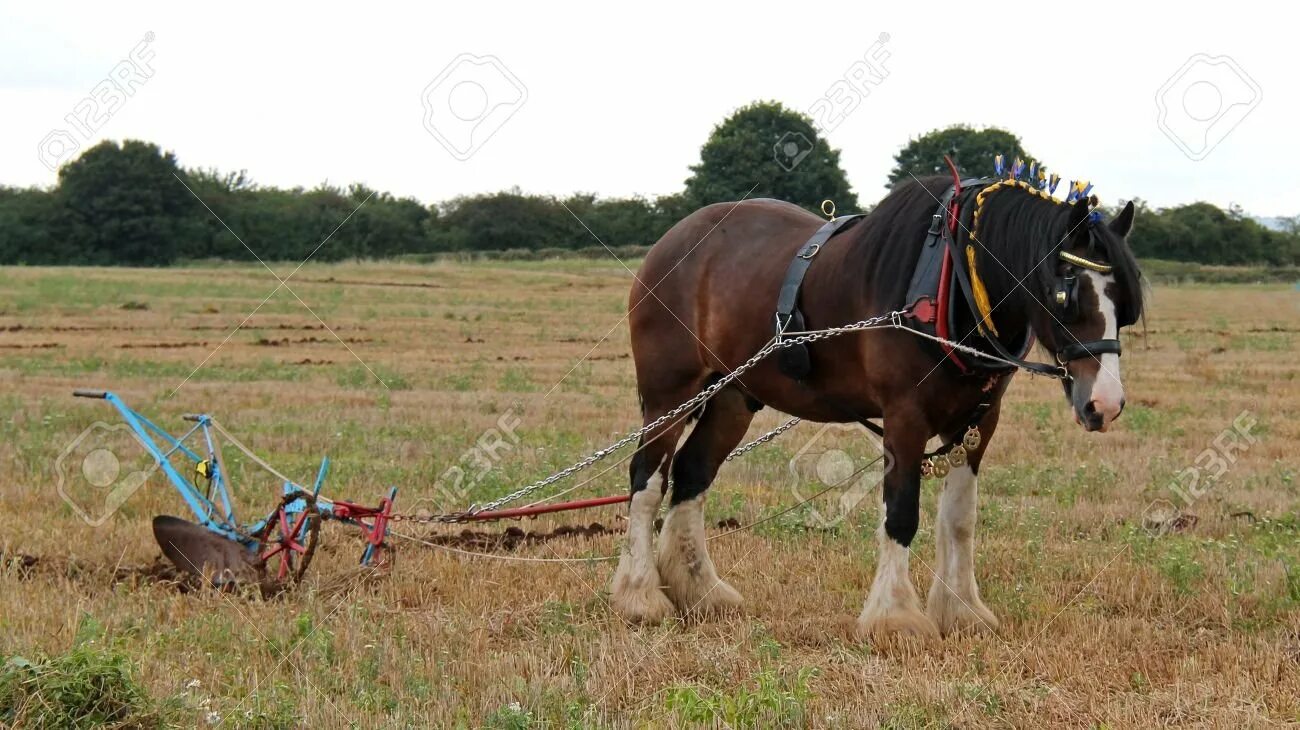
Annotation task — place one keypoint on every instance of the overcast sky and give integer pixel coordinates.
(616, 98)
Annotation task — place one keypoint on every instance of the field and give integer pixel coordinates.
(1106, 621)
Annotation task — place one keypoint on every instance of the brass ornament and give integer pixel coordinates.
(957, 457)
(927, 468)
(941, 467)
(972, 438)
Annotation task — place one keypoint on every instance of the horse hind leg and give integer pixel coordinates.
(636, 593)
(690, 578)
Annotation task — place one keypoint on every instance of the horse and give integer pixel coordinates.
(703, 301)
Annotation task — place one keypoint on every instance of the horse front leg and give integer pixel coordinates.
(954, 602)
(893, 606)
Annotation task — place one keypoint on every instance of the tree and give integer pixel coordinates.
(765, 150)
(1207, 234)
(32, 229)
(1291, 225)
(508, 220)
(222, 192)
(125, 205)
(972, 149)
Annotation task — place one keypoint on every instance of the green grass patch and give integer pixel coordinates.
(770, 699)
(86, 687)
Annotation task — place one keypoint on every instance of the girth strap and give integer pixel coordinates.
(788, 300)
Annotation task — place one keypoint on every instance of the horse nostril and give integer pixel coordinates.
(1090, 409)
(1121, 407)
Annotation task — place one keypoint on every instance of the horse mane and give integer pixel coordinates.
(891, 237)
(1018, 232)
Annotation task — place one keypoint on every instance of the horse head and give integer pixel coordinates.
(1090, 289)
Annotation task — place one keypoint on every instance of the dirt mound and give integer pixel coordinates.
(513, 537)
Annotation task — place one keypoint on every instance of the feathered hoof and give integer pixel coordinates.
(953, 615)
(640, 601)
(897, 623)
(719, 599)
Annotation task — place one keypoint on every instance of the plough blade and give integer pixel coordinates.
(196, 550)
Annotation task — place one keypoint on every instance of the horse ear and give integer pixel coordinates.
(1123, 223)
(1078, 232)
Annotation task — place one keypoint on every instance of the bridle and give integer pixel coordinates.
(1065, 305)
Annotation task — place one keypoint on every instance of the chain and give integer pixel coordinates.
(742, 450)
(891, 319)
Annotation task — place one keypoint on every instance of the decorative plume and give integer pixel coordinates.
(1033, 172)
(1016, 168)
(1053, 181)
(1079, 190)
(998, 164)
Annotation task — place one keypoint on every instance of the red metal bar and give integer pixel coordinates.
(542, 509)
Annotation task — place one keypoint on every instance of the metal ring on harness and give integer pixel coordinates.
(810, 251)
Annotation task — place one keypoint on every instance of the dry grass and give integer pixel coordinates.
(1102, 625)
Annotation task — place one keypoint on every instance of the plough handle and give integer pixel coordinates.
(90, 393)
(193, 417)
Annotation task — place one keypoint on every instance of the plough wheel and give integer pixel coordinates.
(288, 540)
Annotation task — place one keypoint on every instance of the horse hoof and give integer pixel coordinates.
(952, 615)
(719, 600)
(897, 623)
(649, 605)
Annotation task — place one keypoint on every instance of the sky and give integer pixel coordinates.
(435, 100)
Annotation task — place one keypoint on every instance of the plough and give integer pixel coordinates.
(276, 550)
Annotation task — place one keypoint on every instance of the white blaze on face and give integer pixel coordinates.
(1108, 390)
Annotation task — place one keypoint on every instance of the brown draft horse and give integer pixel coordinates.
(703, 303)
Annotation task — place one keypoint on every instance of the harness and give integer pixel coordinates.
(938, 280)
(943, 276)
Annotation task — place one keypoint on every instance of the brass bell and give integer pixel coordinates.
(957, 457)
(941, 467)
(972, 439)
